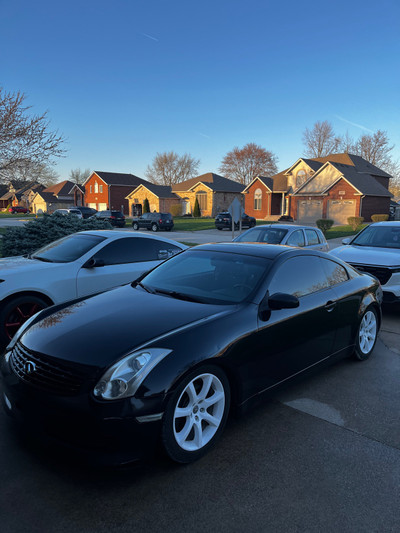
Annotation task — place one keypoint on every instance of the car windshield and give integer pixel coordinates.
(270, 235)
(208, 277)
(67, 249)
(379, 237)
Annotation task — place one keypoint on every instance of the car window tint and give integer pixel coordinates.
(68, 248)
(135, 250)
(296, 238)
(299, 276)
(269, 236)
(253, 235)
(312, 237)
(335, 273)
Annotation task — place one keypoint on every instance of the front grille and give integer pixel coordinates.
(46, 373)
(382, 273)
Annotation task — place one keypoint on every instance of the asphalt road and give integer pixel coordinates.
(323, 455)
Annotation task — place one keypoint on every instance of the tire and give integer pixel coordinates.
(15, 312)
(220, 229)
(168, 229)
(154, 227)
(135, 226)
(202, 418)
(367, 334)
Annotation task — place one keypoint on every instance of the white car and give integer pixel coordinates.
(78, 265)
(68, 211)
(376, 250)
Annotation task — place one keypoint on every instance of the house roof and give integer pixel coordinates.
(49, 197)
(116, 178)
(61, 189)
(365, 183)
(213, 181)
(31, 185)
(162, 191)
(356, 161)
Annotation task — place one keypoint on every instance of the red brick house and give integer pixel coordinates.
(337, 187)
(108, 190)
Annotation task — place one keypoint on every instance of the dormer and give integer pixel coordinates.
(301, 171)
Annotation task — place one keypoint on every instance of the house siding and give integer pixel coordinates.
(374, 206)
(160, 205)
(265, 200)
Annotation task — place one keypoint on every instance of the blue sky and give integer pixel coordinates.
(125, 79)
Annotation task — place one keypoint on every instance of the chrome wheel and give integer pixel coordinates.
(199, 412)
(367, 332)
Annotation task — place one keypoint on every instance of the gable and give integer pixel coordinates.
(322, 180)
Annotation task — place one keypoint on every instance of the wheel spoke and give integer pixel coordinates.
(181, 412)
(182, 435)
(205, 389)
(198, 434)
(212, 400)
(191, 392)
(212, 420)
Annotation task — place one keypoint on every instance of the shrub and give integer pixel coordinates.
(324, 224)
(146, 206)
(379, 218)
(41, 231)
(196, 209)
(355, 222)
(176, 210)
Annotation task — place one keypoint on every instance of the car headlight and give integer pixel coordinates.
(123, 378)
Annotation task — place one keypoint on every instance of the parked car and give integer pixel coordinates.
(115, 218)
(154, 221)
(224, 220)
(77, 265)
(376, 249)
(18, 209)
(163, 360)
(86, 211)
(68, 211)
(291, 235)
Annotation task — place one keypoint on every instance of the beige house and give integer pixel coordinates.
(57, 196)
(160, 197)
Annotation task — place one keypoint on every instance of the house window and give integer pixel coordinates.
(301, 177)
(202, 198)
(91, 188)
(96, 187)
(101, 188)
(257, 199)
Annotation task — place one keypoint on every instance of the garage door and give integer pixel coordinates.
(309, 211)
(102, 207)
(93, 206)
(340, 210)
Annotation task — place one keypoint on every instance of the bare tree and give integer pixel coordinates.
(24, 137)
(79, 176)
(169, 168)
(30, 171)
(321, 140)
(375, 148)
(245, 164)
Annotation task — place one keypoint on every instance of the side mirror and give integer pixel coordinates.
(346, 240)
(281, 300)
(93, 263)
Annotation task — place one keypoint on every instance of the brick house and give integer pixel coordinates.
(19, 193)
(57, 196)
(160, 197)
(214, 193)
(108, 190)
(336, 186)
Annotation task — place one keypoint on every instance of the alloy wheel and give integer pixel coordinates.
(367, 332)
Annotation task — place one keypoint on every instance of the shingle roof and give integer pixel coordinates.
(365, 183)
(357, 161)
(61, 189)
(213, 181)
(49, 197)
(162, 191)
(117, 178)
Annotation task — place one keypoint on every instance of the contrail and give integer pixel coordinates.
(353, 124)
(204, 135)
(149, 37)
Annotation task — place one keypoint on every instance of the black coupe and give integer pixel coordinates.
(166, 358)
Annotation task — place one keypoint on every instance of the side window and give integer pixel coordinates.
(299, 276)
(312, 237)
(134, 250)
(335, 273)
(296, 238)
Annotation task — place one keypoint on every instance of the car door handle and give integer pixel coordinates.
(330, 306)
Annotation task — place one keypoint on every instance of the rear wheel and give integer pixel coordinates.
(196, 414)
(135, 225)
(366, 335)
(17, 311)
(154, 227)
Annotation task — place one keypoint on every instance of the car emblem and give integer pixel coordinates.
(29, 367)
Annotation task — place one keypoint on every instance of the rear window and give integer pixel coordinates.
(68, 248)
(117, 214)
(166, 216)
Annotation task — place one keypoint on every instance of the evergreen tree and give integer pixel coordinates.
(196, 210)
(146, 206)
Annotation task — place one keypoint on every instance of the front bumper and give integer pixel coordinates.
(102, 432)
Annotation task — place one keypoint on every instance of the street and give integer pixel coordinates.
(322, 455)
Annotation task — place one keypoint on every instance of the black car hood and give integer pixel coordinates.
(99, 330)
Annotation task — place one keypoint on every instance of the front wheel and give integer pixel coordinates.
(196, 414)
(15, 313)
(366, 335)
(154, 227)
(135, 226)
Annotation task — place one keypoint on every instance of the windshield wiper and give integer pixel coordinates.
(44, 259)
(136, 283)
(178, 295)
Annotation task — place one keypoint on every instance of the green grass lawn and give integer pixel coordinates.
(197, 224)
(342, 231)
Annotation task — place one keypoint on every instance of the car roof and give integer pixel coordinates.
(111, 234)
(269, 251)
(284, 226)
(395, 223)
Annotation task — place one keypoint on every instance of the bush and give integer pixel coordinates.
(324, 224)
(379, 218)
(41, 231)
(355, 222)
(196, 209)
(146, 206)
(176, 210)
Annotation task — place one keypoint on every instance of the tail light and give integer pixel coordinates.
(112, 217)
